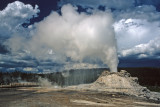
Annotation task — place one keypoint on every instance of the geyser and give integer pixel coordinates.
(80, 36)
(73, 38)
(120, 82)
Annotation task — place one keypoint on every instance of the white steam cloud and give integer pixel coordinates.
(81, 37)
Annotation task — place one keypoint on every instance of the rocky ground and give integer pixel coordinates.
(120, 82)
(51, 97)
(109, 90)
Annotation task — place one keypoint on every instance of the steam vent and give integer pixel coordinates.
(120, 82)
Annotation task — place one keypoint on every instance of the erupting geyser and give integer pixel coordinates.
(84, 38)
(73, 38)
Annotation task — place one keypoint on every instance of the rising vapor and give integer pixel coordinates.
(80, 37)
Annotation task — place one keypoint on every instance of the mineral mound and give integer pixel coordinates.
(120, 82)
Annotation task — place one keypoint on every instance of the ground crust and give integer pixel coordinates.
(60, 97)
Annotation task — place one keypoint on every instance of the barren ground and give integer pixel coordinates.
(51, 97)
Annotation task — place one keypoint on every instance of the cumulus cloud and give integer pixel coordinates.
(13, 16)
(118, 4)
(150, 49)
(131, 32)
(136, 29)
(78, 37)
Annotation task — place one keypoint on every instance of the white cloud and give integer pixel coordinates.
(142, 56)
(136, 31)
(132, 32)
(13, 16)
(30, 69)
(137, 27)
(149, 49)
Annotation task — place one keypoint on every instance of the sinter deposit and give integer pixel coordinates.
(121, 82)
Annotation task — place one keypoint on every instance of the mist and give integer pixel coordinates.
(73, 37)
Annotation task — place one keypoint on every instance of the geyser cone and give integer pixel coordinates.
(117, 80)
(120, 82)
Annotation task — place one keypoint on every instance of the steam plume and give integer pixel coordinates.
(81, 37)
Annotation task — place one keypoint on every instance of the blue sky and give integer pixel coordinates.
(54, 35)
